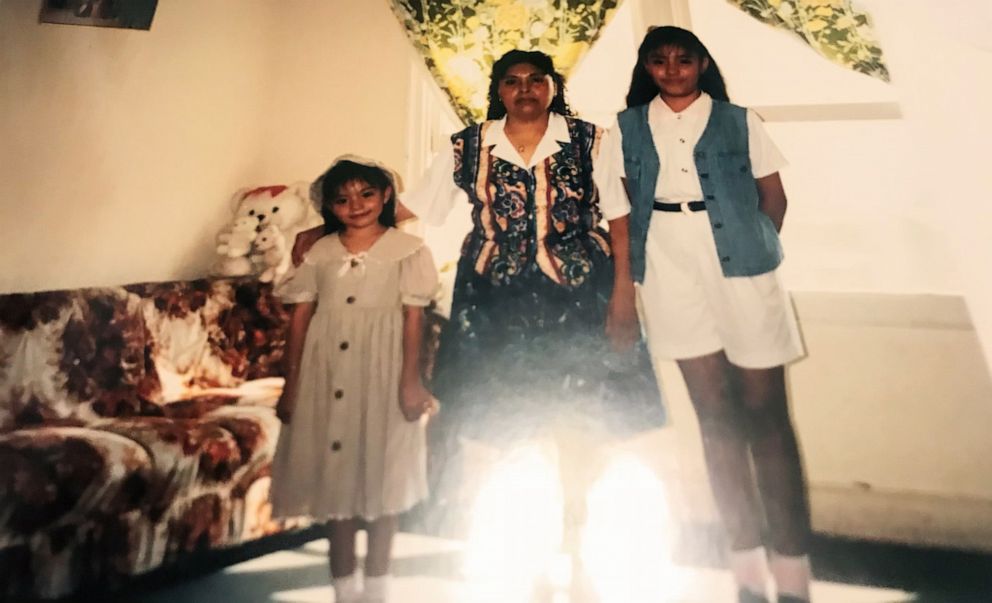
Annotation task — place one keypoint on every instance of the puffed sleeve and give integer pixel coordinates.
(301, 284)
(436, 193)
(607, 172)
(418, 278)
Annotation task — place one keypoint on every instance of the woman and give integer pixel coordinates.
(543, 330)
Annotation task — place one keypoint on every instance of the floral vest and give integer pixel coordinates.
(548, 215)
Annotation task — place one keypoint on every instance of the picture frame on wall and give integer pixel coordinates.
(127, 14)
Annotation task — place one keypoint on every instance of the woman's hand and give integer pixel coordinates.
(622, 326)
(415, 400)
(772, 201)
(284, 407)
(304, 241)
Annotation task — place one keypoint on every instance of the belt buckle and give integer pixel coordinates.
(684, 206)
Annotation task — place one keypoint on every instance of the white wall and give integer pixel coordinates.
(121, 147)
(941, 61)
(598, 85)
(342, 86)
(909, 394)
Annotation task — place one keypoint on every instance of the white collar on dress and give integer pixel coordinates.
(700, 107)
(393, 245)
(556, 133)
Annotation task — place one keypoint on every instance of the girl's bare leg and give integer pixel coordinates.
(381, 533)
(777, 463)
(341, 534)
(781, 481)
(712, 388)
(344, 579)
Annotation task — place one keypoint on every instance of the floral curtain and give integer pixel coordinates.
(461, 39)
(832, 27)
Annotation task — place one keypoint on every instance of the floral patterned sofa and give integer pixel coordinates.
(136, 426)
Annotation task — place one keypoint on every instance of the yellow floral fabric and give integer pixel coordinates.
(832, 27)
(461, 39)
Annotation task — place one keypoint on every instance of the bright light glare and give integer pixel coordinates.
(516, 527)
(627, 543)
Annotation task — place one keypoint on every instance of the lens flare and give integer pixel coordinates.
(627, 542)
(516, 527)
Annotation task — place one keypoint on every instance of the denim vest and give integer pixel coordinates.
(746, 240)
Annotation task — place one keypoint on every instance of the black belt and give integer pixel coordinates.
(680, 207)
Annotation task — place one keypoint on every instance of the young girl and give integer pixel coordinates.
(707, 204)
(352, 448)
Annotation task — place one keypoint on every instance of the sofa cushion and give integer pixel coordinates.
(249, 335)
(71, 357)
(57, 475)
(185, 453)
(104, 357)
(211, 334)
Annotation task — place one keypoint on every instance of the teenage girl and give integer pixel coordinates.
(352, 447)
(707, 204)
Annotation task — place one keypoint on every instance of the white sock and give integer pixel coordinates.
(377, 589)
(347, 589)
(792, 575)
(750, 569)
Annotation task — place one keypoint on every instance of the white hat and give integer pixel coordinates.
(315, 189)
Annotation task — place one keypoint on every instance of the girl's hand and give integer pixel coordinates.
(304, 241)
(284, 407)
(622, 327)
(415, 400)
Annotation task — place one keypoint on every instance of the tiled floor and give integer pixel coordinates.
(428, 570)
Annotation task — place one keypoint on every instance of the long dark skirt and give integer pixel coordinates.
(516, 359)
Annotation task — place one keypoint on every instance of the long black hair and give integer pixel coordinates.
(642, 86)
(345, 171)
(539, 60)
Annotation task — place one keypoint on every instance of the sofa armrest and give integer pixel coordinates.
(263, 392)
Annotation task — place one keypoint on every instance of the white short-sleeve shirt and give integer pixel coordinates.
(676, 135)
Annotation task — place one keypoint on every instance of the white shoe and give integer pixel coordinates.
(347, 589)
(376, 589)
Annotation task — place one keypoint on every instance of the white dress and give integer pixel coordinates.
(348, 451)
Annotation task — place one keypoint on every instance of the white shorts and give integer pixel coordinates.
(690, 309)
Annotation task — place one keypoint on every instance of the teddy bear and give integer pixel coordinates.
(238, 240)
(234, 245)
(285, 208)
(271, 245)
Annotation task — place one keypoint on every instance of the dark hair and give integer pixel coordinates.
(531, 57)
(346, 171)
(643, 88)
